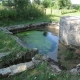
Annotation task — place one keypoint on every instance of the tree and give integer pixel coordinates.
(59, 4)
(21, 6)
(47, 3)
(37, 2)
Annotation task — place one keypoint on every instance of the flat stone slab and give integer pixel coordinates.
(5, 30)
(69, 33)
(15, 69)
(19, 41)
(25, 27)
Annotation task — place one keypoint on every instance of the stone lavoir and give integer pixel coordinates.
(69, 34)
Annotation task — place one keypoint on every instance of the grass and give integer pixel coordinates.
(42, 72)
(8, 44)
(72, 14)
(57, 17)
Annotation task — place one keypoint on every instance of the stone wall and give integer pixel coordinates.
(26, 27)
(36, 60)
(69, 33)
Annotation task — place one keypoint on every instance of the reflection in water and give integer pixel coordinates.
(45, 33)
(46, 42)
(53, 51)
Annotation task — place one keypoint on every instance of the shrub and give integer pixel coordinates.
(46, 3)
(8, 14)
(33, 11)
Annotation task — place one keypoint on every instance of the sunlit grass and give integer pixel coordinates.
(7, 43)
(72, 14)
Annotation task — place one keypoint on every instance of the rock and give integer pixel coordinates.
(78, 68)
(55, 68)
(73, 71)
(20, 28)
(35, 51)
(38, 57)
(15, 69)
(5, 71)
(77, 51)
(5, 30)
(36, 62)
(70, 30)
(41, 57)
(45, 58)
(19, 41)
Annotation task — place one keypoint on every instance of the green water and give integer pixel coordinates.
(46, 42)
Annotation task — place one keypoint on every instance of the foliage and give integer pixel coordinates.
(47, 3)
(21, 6)
(33, 11)
(37, 2)
(6, 16)
(75, 6)
(10, 15)
(60, 4)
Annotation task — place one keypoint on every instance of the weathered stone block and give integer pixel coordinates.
(69, 33)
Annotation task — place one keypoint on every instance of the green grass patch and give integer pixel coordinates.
(7, 43)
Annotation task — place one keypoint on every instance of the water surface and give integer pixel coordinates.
(46, 42)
